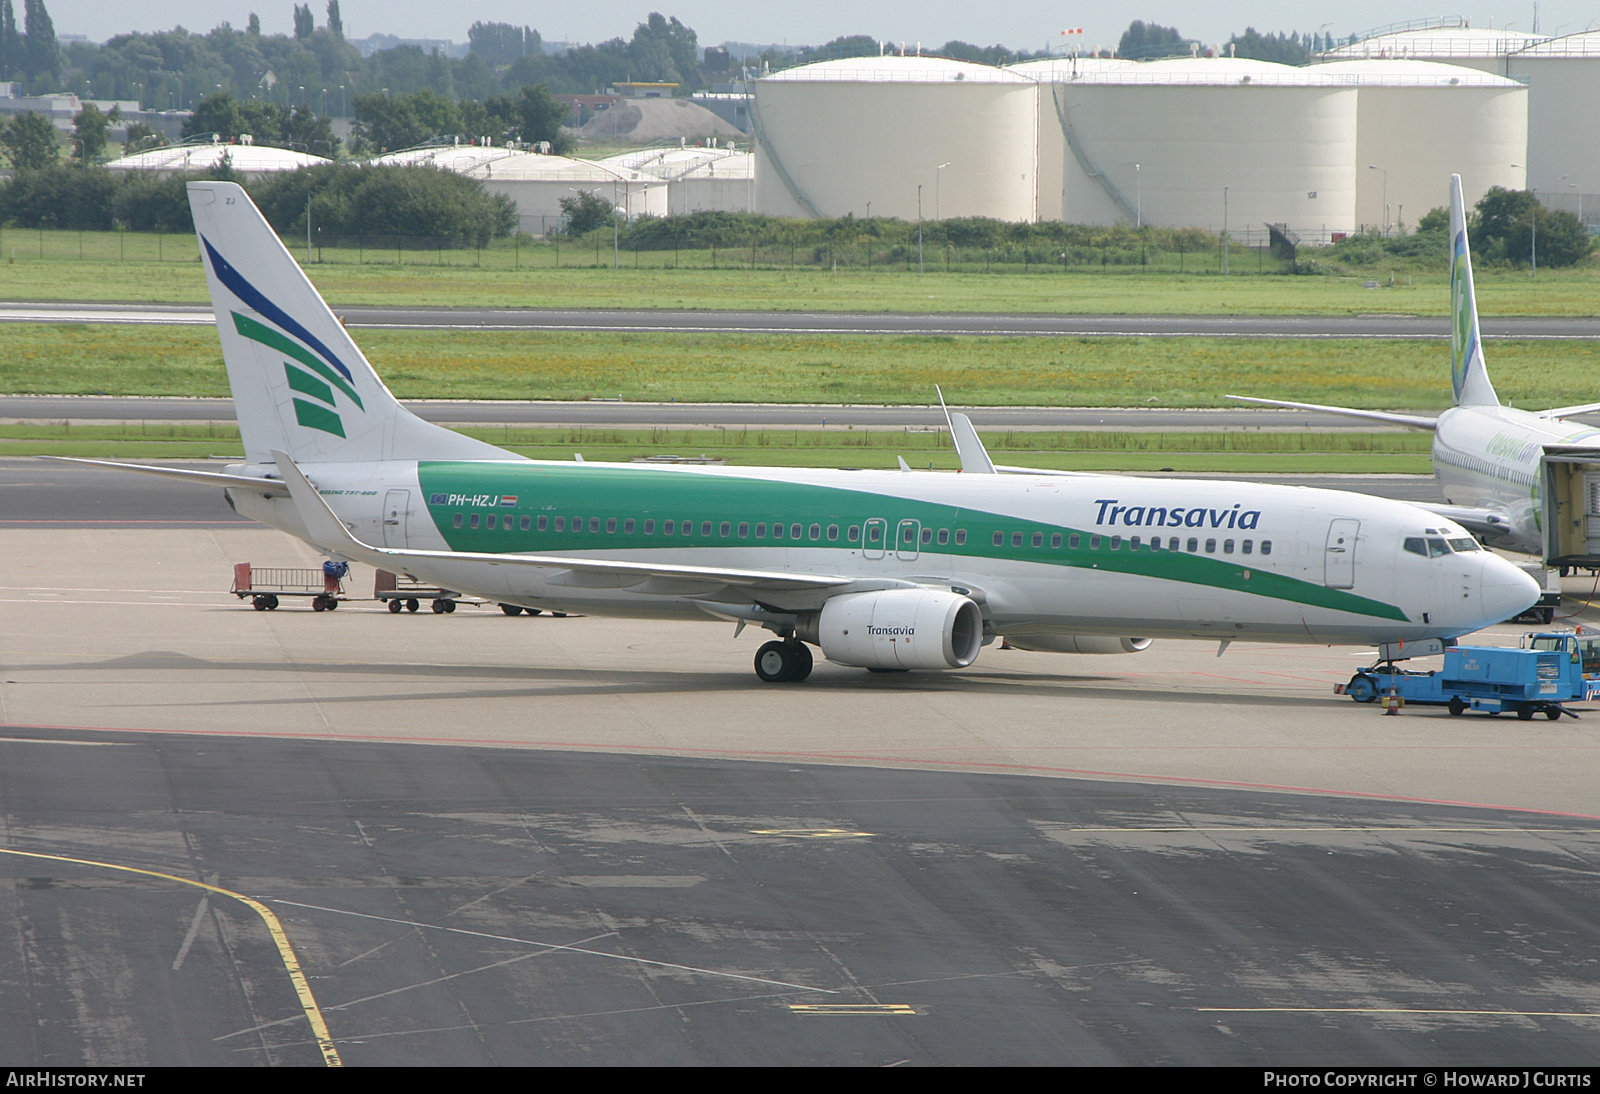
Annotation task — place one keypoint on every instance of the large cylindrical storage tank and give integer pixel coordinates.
(1418, 123)
(1052, 146)
(1447, 41)
(835, 137)
(1563, 161)
(1209, 143)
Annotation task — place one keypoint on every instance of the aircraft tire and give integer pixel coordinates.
(777, 663)
(803, 660)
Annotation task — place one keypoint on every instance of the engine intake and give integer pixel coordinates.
(901, 629)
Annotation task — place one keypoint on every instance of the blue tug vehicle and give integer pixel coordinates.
(1548, 670)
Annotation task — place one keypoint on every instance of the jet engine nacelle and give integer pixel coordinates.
(901, 629)
(1078, 643)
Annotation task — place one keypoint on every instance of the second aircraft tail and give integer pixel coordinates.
(1469, 376)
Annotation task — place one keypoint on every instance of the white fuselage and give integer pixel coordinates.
(1489, 457)
(1098, 555)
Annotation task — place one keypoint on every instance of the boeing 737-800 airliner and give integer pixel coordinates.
(884, 570)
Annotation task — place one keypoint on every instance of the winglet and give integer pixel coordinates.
(969, 449)
(1469, 375)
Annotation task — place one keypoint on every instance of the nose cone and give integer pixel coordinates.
(1507, 591)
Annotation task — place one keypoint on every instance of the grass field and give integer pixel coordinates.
(1393, 452)
(62, 265)
(1198, 372)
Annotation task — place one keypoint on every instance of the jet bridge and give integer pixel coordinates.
(1568, 506)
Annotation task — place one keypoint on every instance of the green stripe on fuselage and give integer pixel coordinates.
(258, 332)
(570, 491)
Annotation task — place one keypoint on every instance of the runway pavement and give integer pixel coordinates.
(497, 840)
(799, 322)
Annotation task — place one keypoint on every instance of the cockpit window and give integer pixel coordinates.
(1437, 547)
(1417, 545)
(1468, 544)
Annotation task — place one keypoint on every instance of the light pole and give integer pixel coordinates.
(919, 228)
(1533, 235)
(1138, 196)
(1224, 231)
(936, 171)
(1385, 170)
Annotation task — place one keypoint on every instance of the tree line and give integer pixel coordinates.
(341, 199)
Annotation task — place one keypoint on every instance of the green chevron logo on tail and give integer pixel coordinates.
(321, 386)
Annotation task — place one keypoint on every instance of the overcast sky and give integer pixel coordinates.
(1019, 24)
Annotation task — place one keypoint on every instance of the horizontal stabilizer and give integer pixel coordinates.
(1415, 421)
(266, 487)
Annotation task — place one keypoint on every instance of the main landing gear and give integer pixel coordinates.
(788, 661)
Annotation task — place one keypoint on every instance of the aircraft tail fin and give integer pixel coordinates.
(300, 385)
(1469, 376)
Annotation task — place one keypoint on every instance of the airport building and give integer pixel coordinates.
(537, 183)
(249, 160)
(699, 178)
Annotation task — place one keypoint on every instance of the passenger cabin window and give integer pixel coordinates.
(459, 520)
(705, 528)
(1266, 546)
(490, 522)
(561, 524)
(649, 527)
(816, 531)
(627, 526)
(833, 531)
(853, 533)
(725, 528)
(761, 530)
(611, 525)
(744, 529)
(794, 531)
(473, 523)
(999, 539)
(1038, 539)
(961, 536)
(1016, 539)
(944, 536)
(777, 531)
(594, 524)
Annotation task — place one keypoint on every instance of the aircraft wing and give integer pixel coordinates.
(267, 487)
(1415, 421)
(1012, 469)
(328, 532)
(1569, 411)
(1485, 522)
